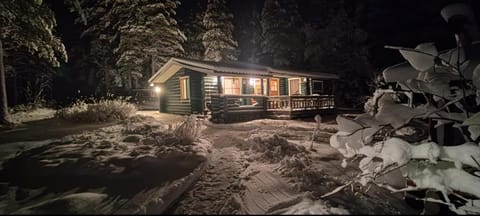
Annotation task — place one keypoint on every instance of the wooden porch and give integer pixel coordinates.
(231, 108)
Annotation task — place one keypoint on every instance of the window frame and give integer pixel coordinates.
(239, 82)
(184, 92)
(277, 80)
(299, 85)
(322, 90)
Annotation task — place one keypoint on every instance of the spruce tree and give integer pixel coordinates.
(131, 34)
(340, 47)
(218, 39)
(282, 36)
(192, 26)
(150, 32)
(27, 25)
(249, 32)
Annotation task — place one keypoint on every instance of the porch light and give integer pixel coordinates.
(151, 84)
(157, 89)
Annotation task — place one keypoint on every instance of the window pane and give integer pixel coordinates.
(231, 86)
(317, 87)
(184, 88)
(257, 87)
(295, 87)
(274, 87)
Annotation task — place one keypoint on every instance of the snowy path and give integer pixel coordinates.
(245, 180)
(266, 192)
(212, 193)
(231, 173)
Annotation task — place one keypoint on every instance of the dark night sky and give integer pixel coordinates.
(394, 22)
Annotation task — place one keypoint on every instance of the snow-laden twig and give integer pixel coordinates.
(336, 190)
(394, 190)
(478, 164)
(425, 53)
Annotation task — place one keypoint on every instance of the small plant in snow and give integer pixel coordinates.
(188, 131)
(102, 110)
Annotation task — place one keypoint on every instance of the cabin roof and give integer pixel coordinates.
(230, 69)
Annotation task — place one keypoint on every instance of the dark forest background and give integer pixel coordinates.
(114, 47)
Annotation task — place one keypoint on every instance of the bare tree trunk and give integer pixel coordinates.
(14, 89)
(3, 90)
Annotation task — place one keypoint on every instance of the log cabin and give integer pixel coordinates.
(236, 91)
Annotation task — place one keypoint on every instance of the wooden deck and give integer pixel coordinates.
(231, 108)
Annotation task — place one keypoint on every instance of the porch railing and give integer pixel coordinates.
(298, 103)
(237, 102)
(284, 103)
(228, 107)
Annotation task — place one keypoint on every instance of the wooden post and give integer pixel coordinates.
(268, 87)
(308, 90)
(219, 85)
(290, 103)
(261, 87)
(334, 95)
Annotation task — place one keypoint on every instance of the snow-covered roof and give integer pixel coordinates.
(230, 69)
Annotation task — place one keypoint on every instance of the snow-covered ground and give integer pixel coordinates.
(131, 167)
(280, 149)
(32, 115)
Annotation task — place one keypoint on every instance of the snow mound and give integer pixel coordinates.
(313, 207)
(31, 115)
(79, 203)
(272, 147)
(104, 110)
(294, 166)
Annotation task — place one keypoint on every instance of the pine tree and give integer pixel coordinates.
(99, 32)
(131, 35)
(283, 39)
(150, 32)
(340, 47)
(218, 38)
(249, 32)
(256, 37)
(27, 25)
(192, 26)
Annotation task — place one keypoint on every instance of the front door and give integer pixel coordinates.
(274, 87)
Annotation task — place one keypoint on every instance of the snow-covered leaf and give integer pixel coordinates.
(421, 61)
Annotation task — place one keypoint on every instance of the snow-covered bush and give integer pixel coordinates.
(428, 164)
(188, 131)
(103, 110)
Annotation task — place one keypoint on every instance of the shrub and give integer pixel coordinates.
(102, 110)
(188, 131)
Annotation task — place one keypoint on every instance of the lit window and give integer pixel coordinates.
(231, 86)
(294, 86)
(184, 88)
(274, 87)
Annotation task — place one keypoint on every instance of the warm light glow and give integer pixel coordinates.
(151, 85)
(252, 81)
(157, 89)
